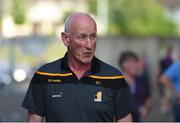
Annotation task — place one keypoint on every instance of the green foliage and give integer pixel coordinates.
(1, 12)
(139, 18)
(19, 11)
(93, 6)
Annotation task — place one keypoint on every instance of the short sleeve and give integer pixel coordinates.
(34, 100)
(123, 101)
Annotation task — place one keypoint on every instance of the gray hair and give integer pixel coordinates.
(69, 19)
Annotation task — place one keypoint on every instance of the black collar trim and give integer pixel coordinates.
(95, 67)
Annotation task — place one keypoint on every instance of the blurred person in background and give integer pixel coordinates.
(171, 81)
(133, 68)
(164, 63)
(79, 87)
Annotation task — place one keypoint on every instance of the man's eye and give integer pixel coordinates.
(93, 37)
(83, 37)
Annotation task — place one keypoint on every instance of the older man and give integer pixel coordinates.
(78, 87)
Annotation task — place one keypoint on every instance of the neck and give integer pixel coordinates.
(77, 67)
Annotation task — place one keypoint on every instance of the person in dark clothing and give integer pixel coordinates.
(79, 87)
(164, 64)
(131, 65)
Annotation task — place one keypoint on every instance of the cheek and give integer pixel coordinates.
(77, 46)
(129, 68)
(94, 44)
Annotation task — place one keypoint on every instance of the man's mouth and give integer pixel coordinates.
(87, 53)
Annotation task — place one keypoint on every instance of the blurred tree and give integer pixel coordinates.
(0, 24)
(1, 14)
(93, 6)
(138, 18)
(19, 11)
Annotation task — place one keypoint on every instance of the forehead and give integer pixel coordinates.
(83, 24)
(131, 60)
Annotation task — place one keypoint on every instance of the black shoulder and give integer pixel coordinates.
(109, 70)
(51, 67)
(109, 76)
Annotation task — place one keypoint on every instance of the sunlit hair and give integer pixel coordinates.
(69, 20)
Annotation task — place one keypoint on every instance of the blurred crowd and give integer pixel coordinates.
(136, 71)
(170, 84)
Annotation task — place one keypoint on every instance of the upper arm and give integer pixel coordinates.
(123, 102)
(127, 118)
(164, 79)
(35, 96)
(34, 117)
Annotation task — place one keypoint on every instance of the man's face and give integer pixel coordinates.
(131, 67)
(82, 42)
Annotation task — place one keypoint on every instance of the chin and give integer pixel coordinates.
(86, 60)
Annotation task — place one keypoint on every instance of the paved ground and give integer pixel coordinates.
(11, 97)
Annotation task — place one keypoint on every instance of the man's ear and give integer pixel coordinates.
(65, 39)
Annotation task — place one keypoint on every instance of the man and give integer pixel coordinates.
(171, 81)
(138, 82)
(164, 63)
(78, 87)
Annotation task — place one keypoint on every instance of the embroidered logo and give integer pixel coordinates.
(54, 80)
(57, 95)
(98, 82)
(98, 96)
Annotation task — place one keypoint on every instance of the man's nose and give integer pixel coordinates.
(89, 43)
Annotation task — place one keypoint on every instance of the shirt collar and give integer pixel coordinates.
(95, 67)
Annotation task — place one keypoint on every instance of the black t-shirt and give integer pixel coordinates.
(102, 94)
